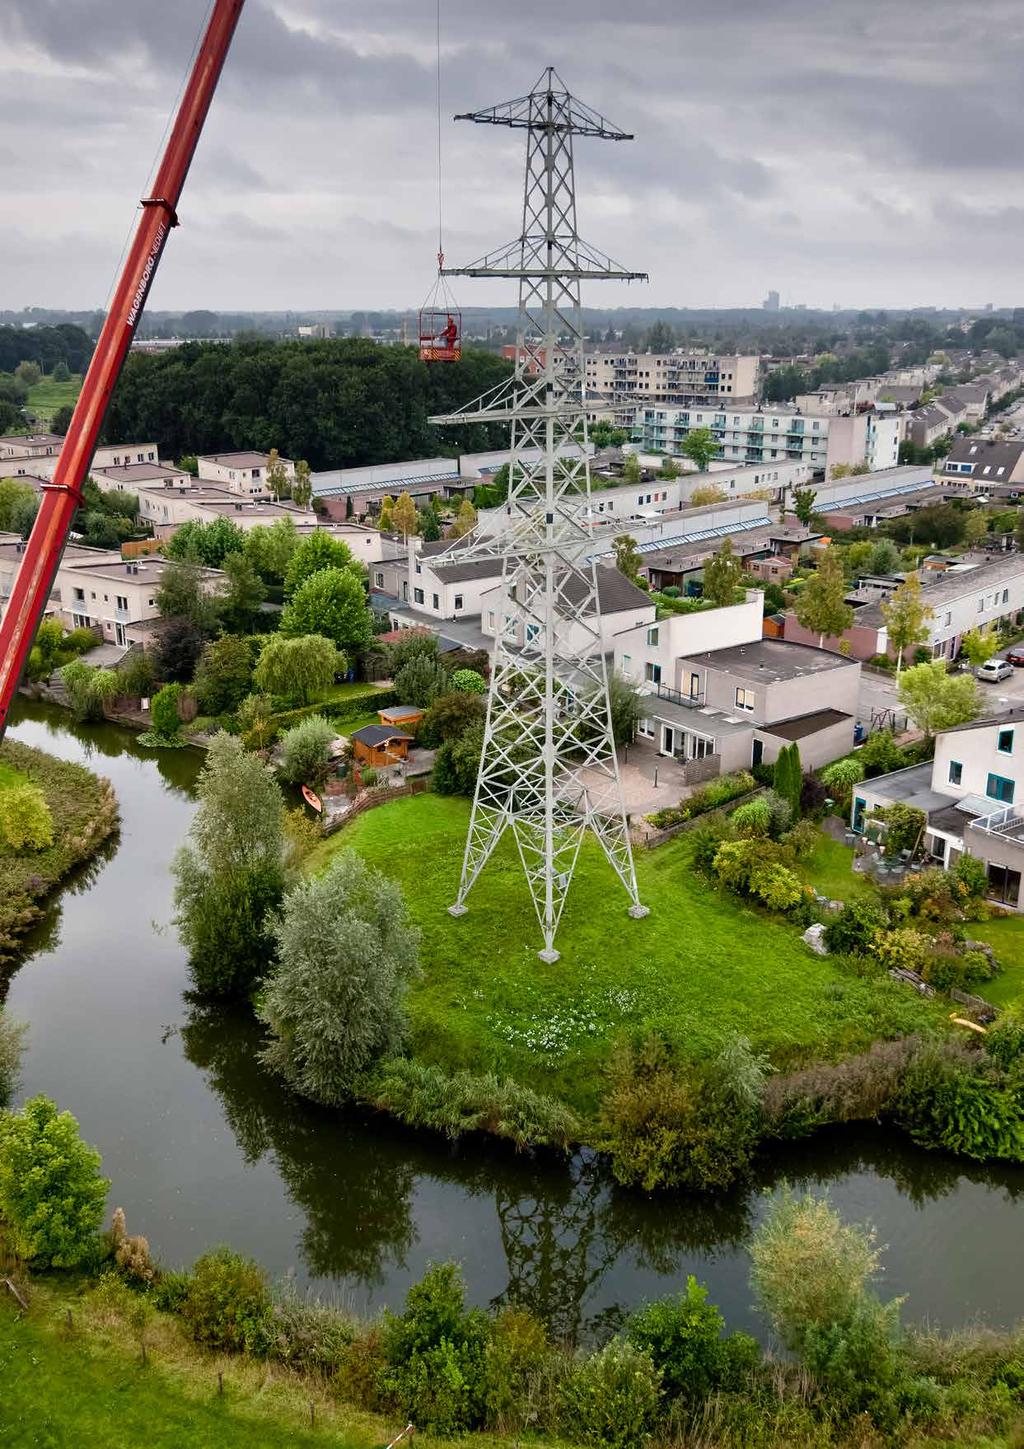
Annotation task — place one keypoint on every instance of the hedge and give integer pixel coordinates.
(340, 709)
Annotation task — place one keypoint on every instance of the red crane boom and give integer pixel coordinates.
(61, 497)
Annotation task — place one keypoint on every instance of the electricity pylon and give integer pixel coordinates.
(548, 770)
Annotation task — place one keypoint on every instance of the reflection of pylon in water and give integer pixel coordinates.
(548, 769)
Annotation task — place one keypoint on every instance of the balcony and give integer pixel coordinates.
(1005, 823)
(673, 696)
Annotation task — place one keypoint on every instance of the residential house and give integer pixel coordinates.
(971, 794)
(169, 504)
(928, 424)
(107, 595)
(715, 691)
(130, 477)
(621, 606)
(37, 453)
(243, 473)
(985, 462)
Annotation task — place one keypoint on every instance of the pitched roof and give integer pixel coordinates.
(984, 452)
(378, 734)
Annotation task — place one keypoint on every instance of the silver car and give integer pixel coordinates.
(993, 670)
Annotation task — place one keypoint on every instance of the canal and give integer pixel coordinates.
(203, 1147)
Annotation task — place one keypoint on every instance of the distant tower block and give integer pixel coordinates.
(548, 770)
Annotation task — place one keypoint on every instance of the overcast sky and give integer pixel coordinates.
(865, 154)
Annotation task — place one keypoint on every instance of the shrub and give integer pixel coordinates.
(753, 818)
(948, 1103)
(164, 711)
(308, 1335)
(1005, 1040)
(880, 754)
(424, 1096)
(80, 641)
(611, 1398)
(422, 680)
(256, 720)
(25, 819)
(457, 763)
(51, 1191)
(516, 1358)
(855, 928)
(131, 1254)
(776, 886)
(224, 674)
(901, 948)
(305, 751)
(335, 1001)
(227, 1305)
(803, 839)
(434, 1355)
(171, 1290)
(88, 688)
(468, 681)
(449, 717)
(839, 779)
(971, 877)
(861, 1088)
(683, 1338)
(904, 827)
(301, 669)
(813, 795)
(704, 841)
(136, 675)
(12, 1045)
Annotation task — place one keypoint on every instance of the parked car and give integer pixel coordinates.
(1015, 656)
(993, 670)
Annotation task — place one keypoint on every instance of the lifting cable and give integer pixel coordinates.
(440, 190)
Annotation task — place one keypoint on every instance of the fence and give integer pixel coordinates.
(368, 799)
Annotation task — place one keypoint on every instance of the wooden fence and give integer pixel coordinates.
(369, 799)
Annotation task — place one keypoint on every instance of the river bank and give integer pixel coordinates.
(84, 815)
(204, 1146)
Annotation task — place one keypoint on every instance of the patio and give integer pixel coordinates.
(649, 781)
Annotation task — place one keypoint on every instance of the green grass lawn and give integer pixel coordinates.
(699, 967)
(10, 776)
(48, 396)
(342, 693)
(1006, 937)
(830, 870)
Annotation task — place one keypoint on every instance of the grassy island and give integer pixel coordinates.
(82, 815)
(700, 966)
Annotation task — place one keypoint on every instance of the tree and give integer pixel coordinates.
(883, 558)
(61, 420)
(335, 1002)
(28, 373)
(404, 516)
(51, 1193)
(449, 717)
(707, 493)
(224, 674)
(722, 573)
(164, 715)
(61, 372)
(229, 877)
(306, 751)
(624, 703)
(239, 604)
(181, 594)
(385, 519)
(700, 445)
(465, 520)
(669, 469)
(277, 475)
(12, 1045)
(206, 543)
(88, 688)
(906, 617)
(19, 505)
(822, 606)
(803, 504)
(789, 778)
(333, 603)
(318, 550)
(935, 700)
(975, 526)
(628, 558)
(299, 669)
(457, 763)
(421, 681)
(978, 645)
(468, 681)
(178, 650)
(302, 487)
(429, 525)
(631, 471)
(271, 547)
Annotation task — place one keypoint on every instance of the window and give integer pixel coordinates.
(652, 636)
(1004, 742)
(417, 595)
(1006, 596)
(435, 601)
(121, 602)
(419, 569)
(744, 699)
(532, 630)
(645, 727)
(490, 618)
(981, 604)
(956, 772)
(378, 579)
(626, 665)
(652, 673)
(458, 601)
(999, 788)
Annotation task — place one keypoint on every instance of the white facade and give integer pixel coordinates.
(745, 434)
(986, 761)
(38, 455)
(664, 377)
(242, 473)
(572, 637)
(107, 594)
(652, 652)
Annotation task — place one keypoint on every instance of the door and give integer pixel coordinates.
(120, 636)
(1003, 884)
(667, 739)
(695, 686)
(858, 814)
(757, 752)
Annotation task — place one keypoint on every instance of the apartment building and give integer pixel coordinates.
(37, 453)
(107, 595)
(243, 473)
(673, 376)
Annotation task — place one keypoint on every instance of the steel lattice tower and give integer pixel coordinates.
(548, 770)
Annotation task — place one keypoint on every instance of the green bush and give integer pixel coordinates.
(424, 1096)
(51, 1192)
(611, 1398)
(163, 711)
(753, 818)
(434, 1355)
(683, 1338)
(854, 929)
(904, 827)
(308, 1335)
(136, 675)
(227, 1305)
(25, 819)
(80, 641)
(224, 674)
(1005, 1039)
(880, 754)
(948, 1103)
(776, 886)
(901, 948)
(839, 779)
(305, 751)
(468, 681)
(171, 1290)
(708, 797)
(971, 877)
(517, 1360)
(422, 680)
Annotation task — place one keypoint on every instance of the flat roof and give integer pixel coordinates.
(130, 472)
(771, 660)
(240, 460)
(806, 724)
